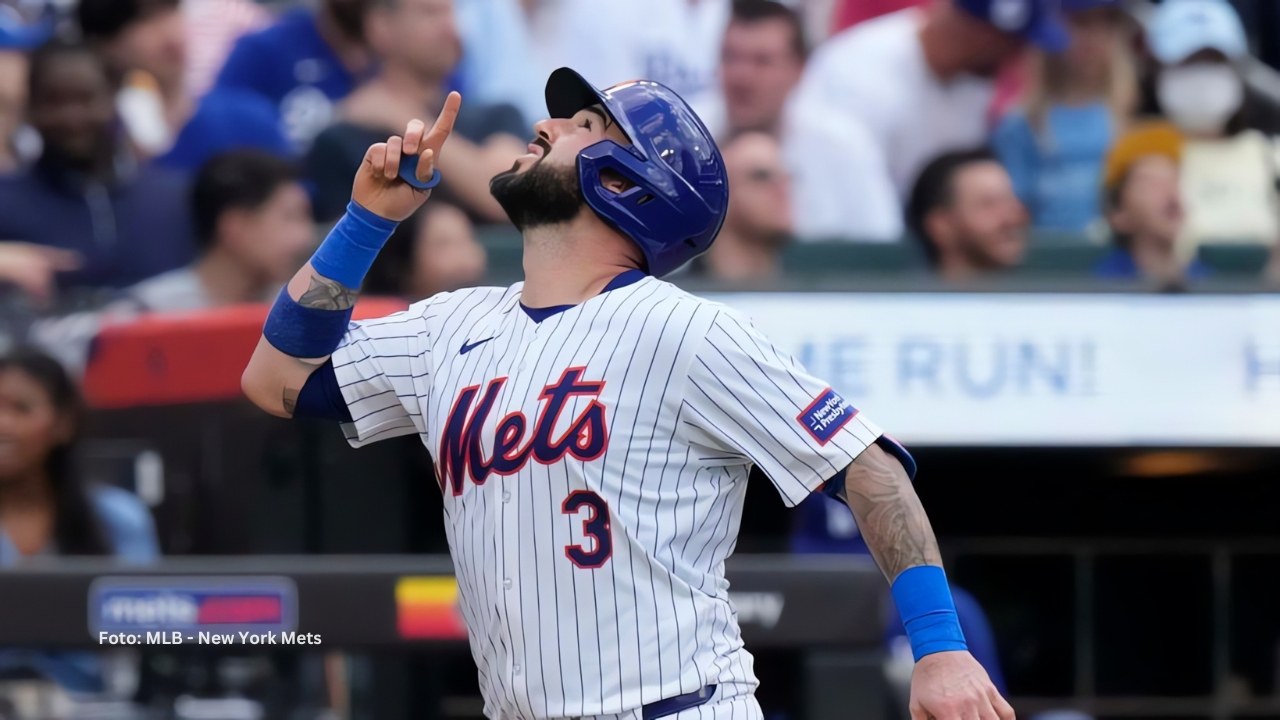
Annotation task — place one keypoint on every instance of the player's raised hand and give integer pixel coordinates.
(378, 186)
(953, 686)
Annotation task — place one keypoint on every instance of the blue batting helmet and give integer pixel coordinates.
(679, 192)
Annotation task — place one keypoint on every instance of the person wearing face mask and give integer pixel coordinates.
(879, 101)
(1229, 176)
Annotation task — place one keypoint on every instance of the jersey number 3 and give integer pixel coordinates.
(595, 528)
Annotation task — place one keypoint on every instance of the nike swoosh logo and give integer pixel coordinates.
(468, 347)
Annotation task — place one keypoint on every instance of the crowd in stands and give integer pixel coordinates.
(969, 132)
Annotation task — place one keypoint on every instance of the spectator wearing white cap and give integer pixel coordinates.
(881, 99)
(1228, 171)
(1198, 44)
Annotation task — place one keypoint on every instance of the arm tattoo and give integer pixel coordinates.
(889, 513)
(326, 294)
(290, 400)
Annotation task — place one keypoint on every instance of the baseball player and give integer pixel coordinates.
(593, 426)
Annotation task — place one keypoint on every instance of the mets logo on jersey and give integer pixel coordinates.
(826, 415)
(462, 453)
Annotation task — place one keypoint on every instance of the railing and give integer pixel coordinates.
(1215, 561)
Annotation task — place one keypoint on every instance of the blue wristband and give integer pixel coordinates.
(304, 332)
(928, 611)
(352, 246)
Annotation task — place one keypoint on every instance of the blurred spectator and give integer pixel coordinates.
(758, 224)
(181, 44)
(1076, 104)
(851, 12)
(1228, 173)
(417, 44)
(13, 105)
(1145, 209)
(18, 35)
(1261, 107)
(434, 251)
(497, 53)
(880, 99)
(46, 506)
(227, 119)
(674, 42)
(304, 63)
(213, 26)
(253, 226)
(965, 214)
(1197, 43)
(761, 61)
(146, 43)
(87, 193)
(33, 269)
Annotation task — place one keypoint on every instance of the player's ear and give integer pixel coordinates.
(613, 182)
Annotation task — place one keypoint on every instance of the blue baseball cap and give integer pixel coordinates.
(1179, 29)
(16, 33)
(1037, 21)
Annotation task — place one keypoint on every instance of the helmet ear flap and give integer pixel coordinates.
(655, 199)
(673, 201)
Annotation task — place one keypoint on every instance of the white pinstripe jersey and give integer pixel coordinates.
(593, 467)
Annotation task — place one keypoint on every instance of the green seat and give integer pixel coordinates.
(505, 249)
(1235, 259)
(494, 236)
(842, 257)
(1061, 257)
(505, 261)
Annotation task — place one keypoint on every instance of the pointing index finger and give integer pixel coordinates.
(443, 126)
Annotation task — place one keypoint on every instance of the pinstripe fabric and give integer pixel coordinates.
(591, 574)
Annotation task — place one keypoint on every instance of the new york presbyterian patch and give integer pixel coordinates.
(826, 415)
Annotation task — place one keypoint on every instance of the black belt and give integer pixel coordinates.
(672, 705)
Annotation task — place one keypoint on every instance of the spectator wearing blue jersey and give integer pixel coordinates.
(418, 45)
(304, 63)
(87, 193)
(1075, 104)
(146, 43)
(47, 509)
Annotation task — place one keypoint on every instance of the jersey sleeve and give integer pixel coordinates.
(383, 368)
(747, 398)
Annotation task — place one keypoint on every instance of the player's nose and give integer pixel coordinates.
(550, 128)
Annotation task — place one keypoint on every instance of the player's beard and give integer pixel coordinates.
(541, 195)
